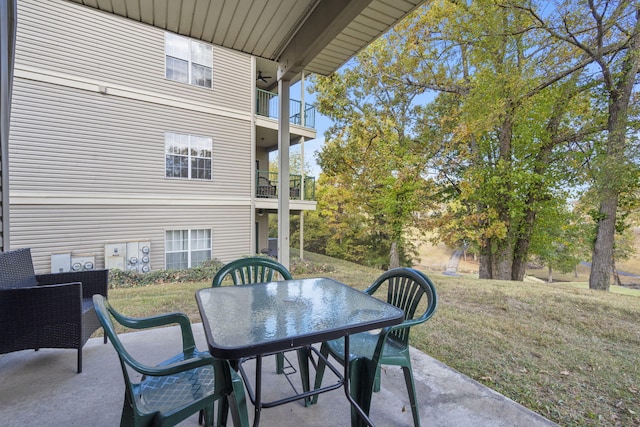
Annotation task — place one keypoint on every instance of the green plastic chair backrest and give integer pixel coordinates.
(407, 289)
(249, 270)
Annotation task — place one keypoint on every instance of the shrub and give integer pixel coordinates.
(202, 273)
(298, 266)
(131, 279)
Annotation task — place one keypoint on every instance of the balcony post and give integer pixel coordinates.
(283, 172)
(302, 175)
(303, 109)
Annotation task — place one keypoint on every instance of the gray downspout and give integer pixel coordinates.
(8, 24)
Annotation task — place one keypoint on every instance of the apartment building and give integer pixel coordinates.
(134, 148)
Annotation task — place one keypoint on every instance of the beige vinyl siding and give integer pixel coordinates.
(70, 140)
(90, 110)
(263, 160)
(263, 235)
(83, 230)
(63, 37)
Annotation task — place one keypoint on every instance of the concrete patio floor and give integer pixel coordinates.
(43, 388)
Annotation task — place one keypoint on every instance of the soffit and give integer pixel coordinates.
(270, 28)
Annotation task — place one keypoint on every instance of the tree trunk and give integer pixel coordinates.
(616, 275)
(485, 270)
(603, 248)
(610, 179)
(496, 264)
(503, 261)
(394, 256)
(521, 251)
(550, 275)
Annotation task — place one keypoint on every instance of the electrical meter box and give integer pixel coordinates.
(132, 258)
(128, 256)
(83, 262)
(144, 260)
(60, 263)
(114, 255)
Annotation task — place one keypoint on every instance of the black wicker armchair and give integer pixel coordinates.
(46, 310)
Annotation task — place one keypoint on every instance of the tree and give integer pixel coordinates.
(369, 157)
(504, 122)
(562, 243)
(607, 33)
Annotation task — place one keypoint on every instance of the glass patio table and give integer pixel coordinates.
(255, 320)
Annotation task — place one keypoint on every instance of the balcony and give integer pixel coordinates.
(267, 106)
(267, 186)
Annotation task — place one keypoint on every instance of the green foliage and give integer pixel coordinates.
(562, 239)
(373, 179)
(132, 279)
(202, 273)
(297, 165)
(477, 120)
(299, 267)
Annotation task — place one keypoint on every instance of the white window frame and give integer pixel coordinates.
(192, 140)
(190, 57)
(190, 249)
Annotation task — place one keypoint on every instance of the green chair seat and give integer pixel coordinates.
(170, 392)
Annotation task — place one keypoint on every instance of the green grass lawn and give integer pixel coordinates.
(562, 350)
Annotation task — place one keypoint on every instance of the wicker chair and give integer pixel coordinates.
(46, 310)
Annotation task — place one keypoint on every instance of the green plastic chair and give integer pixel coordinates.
(250, 270)
(172, 391)
(409, 290)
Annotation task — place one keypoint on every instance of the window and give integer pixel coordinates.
(188, 61)
(188, 156)
(187, 248)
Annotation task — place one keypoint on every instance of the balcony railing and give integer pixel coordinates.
(267, 105)
(267, 186)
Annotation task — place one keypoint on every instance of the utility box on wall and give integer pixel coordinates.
(144, 260)
(114, 254)
(131, 262)
(83, 262)
(128, 256)
(61, 263)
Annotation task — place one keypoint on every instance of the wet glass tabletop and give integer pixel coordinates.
(248, 320)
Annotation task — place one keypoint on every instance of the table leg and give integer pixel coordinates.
(360, 372)
(258, 400)
(303, 367)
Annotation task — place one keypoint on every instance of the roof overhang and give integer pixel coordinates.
(317, 36)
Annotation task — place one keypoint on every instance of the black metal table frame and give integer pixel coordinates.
(256, 398)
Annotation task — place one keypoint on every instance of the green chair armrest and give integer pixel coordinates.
(161, 371)
(188, 342)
